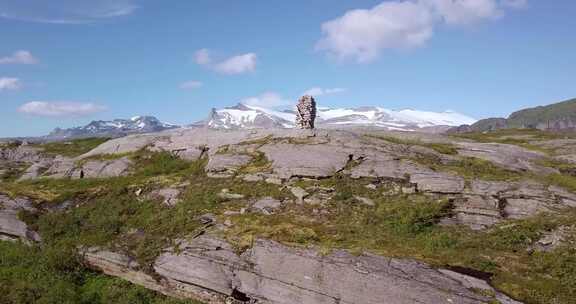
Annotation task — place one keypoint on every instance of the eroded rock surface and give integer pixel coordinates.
(209, 269)
(11, 227)
(226, 165)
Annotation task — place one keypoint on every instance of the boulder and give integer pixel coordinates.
(299, 193)
(267, 205)
(11, 227)
(168, 196)
(227, 195)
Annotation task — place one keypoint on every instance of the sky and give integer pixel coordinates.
(64, 63)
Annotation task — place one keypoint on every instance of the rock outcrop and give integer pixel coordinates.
(209, 269)
(11, 226)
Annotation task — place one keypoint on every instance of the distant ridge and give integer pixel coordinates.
(113, 128)
(559, 116)
(244, 116)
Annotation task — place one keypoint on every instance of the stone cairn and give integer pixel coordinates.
(306, 112)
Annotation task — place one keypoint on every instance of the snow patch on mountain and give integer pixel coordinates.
(245, 116)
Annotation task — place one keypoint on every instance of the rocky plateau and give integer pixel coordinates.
(485, 186)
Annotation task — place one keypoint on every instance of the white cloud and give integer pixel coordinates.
(317, 91)
(362, 34)
(60, 109)
(65, 11)
(7, 83)
(237, 65)
(202, 57)
(192, 84)
(19, 57)
(266, 100)
(234, 65)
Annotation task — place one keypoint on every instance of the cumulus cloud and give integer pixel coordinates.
(234, 65)
(237, 65)
(8, 83)
(60, 108)
(317, 91)
(65, 11)
(19, 57)
(266, 100)
(190, 85)
(362, 34)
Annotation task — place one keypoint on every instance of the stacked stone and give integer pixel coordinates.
(306, 112)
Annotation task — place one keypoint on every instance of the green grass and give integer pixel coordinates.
(56, 275)
(13, 172)
(72, 148)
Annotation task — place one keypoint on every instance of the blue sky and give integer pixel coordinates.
(66, 62)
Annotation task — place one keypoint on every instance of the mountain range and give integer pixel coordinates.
(558, 116)
(113, 128)
(244, 116)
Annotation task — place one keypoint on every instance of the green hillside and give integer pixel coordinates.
(545, 117)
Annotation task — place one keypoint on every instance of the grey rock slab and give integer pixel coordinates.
(477, 212)
(35, 170)
(105, 169)
(21, 153)
(131, 143)
(169, 196)
(252, 178)
(122, 266)
(61, 167)
(208, 268)
(278, 274)
(364, 200)
(226, 194)
(552, 239)
(11, 227)
(385, 166)
(520, 208)
(299, 193)
(438, 182)
(480, 187)
(507, 156)
(204, 262)
(306, 160)
(267, 205)
(478, 284)
(226, 165)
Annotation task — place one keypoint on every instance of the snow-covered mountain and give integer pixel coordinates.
(116, 127)
(244, 116)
